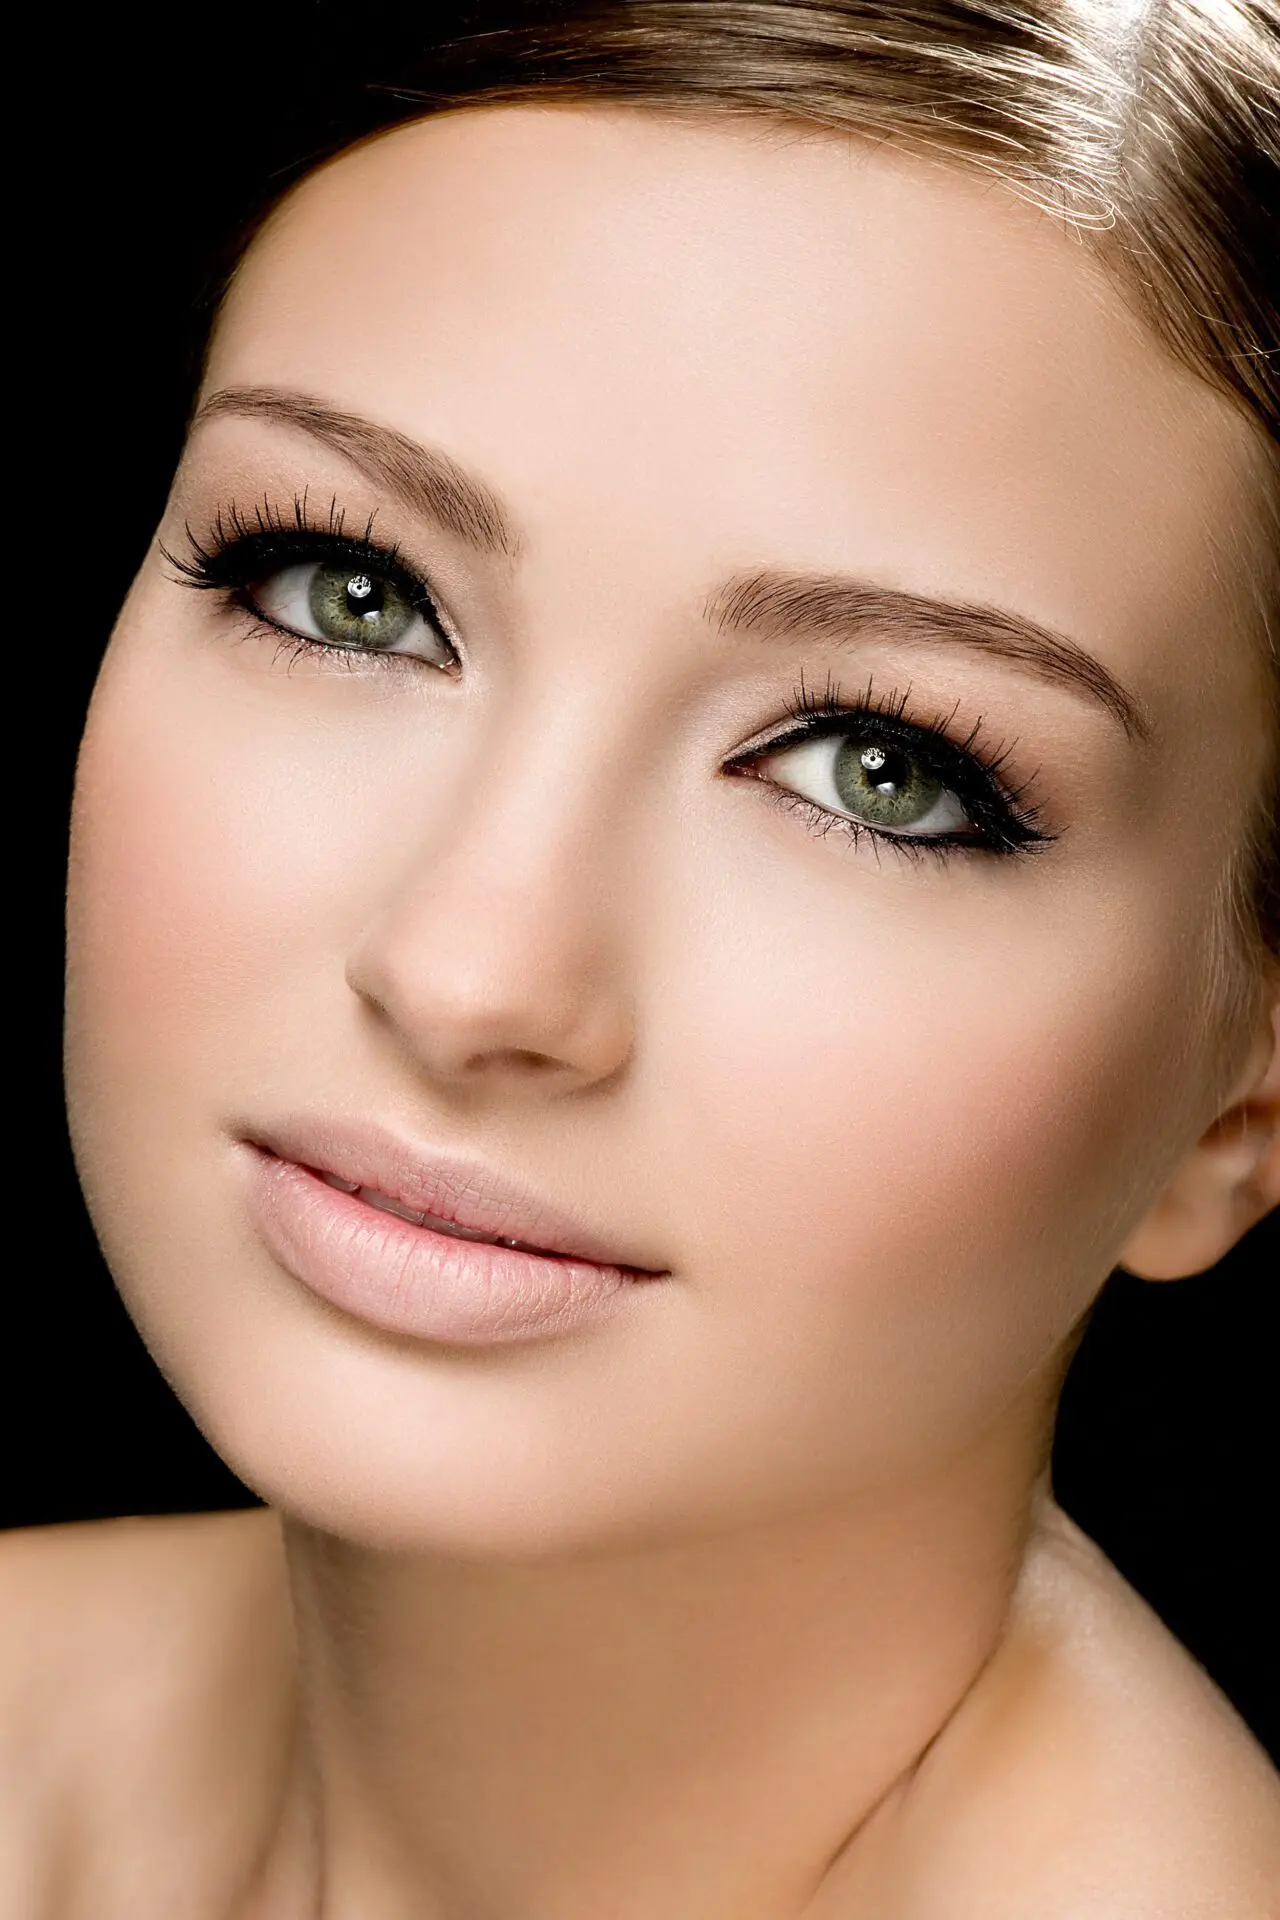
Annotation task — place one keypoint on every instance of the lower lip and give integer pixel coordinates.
(408, 1279)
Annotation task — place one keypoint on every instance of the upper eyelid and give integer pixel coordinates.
(308, 540)
(213, 516)
(927, 739)
(391, 559)
(218, 545)
(792, 606)
(427, 481)
(975, 782)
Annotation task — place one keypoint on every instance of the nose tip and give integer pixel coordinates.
(501, 993)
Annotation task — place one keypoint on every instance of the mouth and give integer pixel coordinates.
(427, 1244)
(436, 1223)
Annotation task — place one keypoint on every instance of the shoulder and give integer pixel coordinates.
(128, 1618)
(143, 1670)
(1093, 1773)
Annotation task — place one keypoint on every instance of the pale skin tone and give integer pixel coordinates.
(746, 1603)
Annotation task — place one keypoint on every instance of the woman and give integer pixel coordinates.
(674, 858)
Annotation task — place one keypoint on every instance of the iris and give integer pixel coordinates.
(884, 785)
(357, 609)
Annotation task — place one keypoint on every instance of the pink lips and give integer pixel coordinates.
(436, 1248)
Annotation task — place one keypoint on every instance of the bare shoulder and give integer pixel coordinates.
(144, 1673)
(1094, 1773)
(115, 1613)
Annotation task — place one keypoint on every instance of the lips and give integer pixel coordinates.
(441, 1188)
(373, 1198)
(428, 1244)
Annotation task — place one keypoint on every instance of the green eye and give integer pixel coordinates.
(357, 610)
(351, 608)
(862, 776)
(883, 785)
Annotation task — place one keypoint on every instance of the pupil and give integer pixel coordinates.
(364, 597)
(886, 768)
(884, 784)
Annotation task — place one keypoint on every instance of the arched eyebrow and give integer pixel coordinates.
(837, 609)
(775, 605)
(424, 479)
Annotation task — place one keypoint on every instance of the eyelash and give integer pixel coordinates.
(1007, 822)
(243, 548)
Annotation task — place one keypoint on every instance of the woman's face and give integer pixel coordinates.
(465, 840)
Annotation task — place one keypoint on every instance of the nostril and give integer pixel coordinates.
(465, 999)
(521, 1059)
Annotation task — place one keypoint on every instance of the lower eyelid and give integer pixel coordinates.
(822, 822)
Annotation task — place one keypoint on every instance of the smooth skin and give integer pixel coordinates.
(747, 1603)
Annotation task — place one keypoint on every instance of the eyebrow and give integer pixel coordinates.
(423, 479)
(776, 605)
(832, 607)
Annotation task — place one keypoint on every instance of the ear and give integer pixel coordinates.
(1227, 1182)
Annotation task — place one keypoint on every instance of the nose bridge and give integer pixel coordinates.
(538, 819)
(502, 941)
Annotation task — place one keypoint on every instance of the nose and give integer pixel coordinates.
(496, 958)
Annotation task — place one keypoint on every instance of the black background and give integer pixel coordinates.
(141, 153)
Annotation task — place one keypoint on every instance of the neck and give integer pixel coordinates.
(697, 1728)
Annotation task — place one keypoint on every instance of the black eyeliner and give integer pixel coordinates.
(240, 550)
(1006, 823)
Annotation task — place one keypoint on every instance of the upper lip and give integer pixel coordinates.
(462, 1192)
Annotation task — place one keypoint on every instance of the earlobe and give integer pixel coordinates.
(1227, 1183)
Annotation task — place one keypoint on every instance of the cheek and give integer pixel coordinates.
(907, 1125)
(225, 854)
(213, 883)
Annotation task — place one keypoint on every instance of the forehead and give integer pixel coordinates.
(728, 341)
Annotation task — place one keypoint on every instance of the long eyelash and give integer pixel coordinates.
(1008, 821)
(202, 566)
(804, 704)
(272, 537)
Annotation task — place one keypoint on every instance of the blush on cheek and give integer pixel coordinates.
(216, 856)
(181, 906)
(924, 1152)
